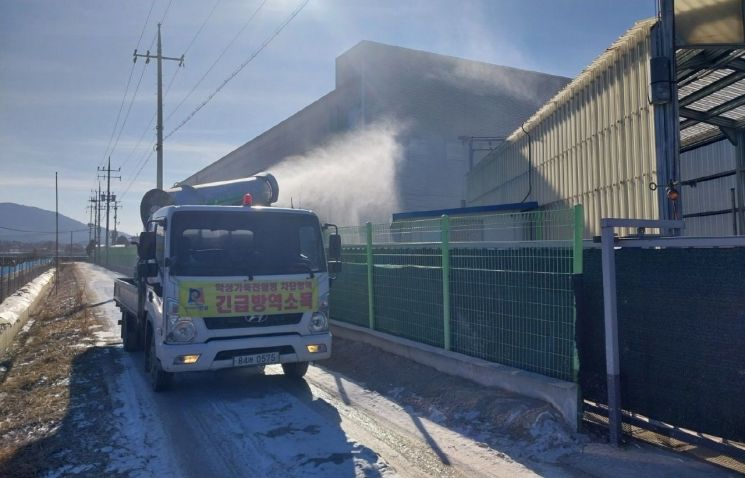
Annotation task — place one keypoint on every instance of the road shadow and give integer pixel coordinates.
(81, 440)
(521, 428)
(240, 422)
(233, 422)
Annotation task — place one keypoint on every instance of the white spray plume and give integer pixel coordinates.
(349, 180)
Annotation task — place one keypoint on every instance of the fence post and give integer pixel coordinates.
(445, 248)
(610, 309)
(577, 270)
(539, 225)
(370, 290)
(579, 233)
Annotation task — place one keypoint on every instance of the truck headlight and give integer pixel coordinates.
(319, 323)
(182, 331)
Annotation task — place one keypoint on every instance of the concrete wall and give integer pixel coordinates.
(560, 394)
(22, 307)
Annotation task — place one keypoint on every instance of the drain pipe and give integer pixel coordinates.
(530, 163)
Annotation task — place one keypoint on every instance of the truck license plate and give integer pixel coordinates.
(258, 359)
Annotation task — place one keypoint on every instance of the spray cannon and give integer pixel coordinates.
(262, 187)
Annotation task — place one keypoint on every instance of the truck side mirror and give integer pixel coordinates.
(334, 253)
(147, 269)
(146, 246)
(334, 247)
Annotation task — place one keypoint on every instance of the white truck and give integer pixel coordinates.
(221, 285)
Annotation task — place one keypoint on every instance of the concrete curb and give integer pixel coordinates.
(7, 335)
(560, 394)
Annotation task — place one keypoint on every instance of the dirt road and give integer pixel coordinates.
(240, 423)
(364, 413)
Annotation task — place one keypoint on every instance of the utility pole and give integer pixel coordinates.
(56, 235)
(98, 222)
(117, 205)
(108, 171)
(159, 128)
(92, 224)
(89, 207)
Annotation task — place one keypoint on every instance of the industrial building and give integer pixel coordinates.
(605, 142)
(452, 112)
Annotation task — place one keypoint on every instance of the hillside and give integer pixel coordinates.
(16, 219)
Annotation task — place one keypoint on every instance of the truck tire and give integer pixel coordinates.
(295, 369)
(130, 333)
(160, 380)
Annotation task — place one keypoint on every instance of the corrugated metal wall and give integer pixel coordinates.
(708, 196)
(593, 143)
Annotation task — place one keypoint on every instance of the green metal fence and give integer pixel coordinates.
(497, 287)
(120, 259)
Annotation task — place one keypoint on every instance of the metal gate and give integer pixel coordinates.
(681, 332)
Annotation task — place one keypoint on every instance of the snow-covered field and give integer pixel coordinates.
(240, 423)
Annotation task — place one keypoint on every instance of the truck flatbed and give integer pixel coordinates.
(125, 294)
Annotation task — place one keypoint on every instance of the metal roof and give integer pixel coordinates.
(711, 94)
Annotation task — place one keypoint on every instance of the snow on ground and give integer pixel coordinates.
(100, 283)
(237, 422)
(13, 307)
(141, 441)
(221, 424)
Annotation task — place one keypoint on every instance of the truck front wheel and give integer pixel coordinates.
(159, 379)
(295, 369)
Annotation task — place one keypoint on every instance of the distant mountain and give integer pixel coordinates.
(16, 220)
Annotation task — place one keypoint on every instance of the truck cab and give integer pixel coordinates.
(229, 286)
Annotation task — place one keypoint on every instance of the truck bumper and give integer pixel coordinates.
(219, 354)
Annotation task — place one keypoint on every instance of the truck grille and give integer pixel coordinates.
(245, 321)
(229, 354)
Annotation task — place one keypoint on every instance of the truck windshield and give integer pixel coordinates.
(245, 243)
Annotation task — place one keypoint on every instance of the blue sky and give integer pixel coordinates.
(64, 67)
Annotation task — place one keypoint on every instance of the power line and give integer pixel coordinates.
(145, 25)
(134, 95)
(139, 82)
(129, 80)
(148, 56)
(139, 141)
(159, 125)
(242, 65)
(163, 18)
(129, 109)
(146, 159)
(152, 120)
(132, 181)
(38, 232)
(170, 83)
(121, 107)
(219, 57)
(209, 15)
